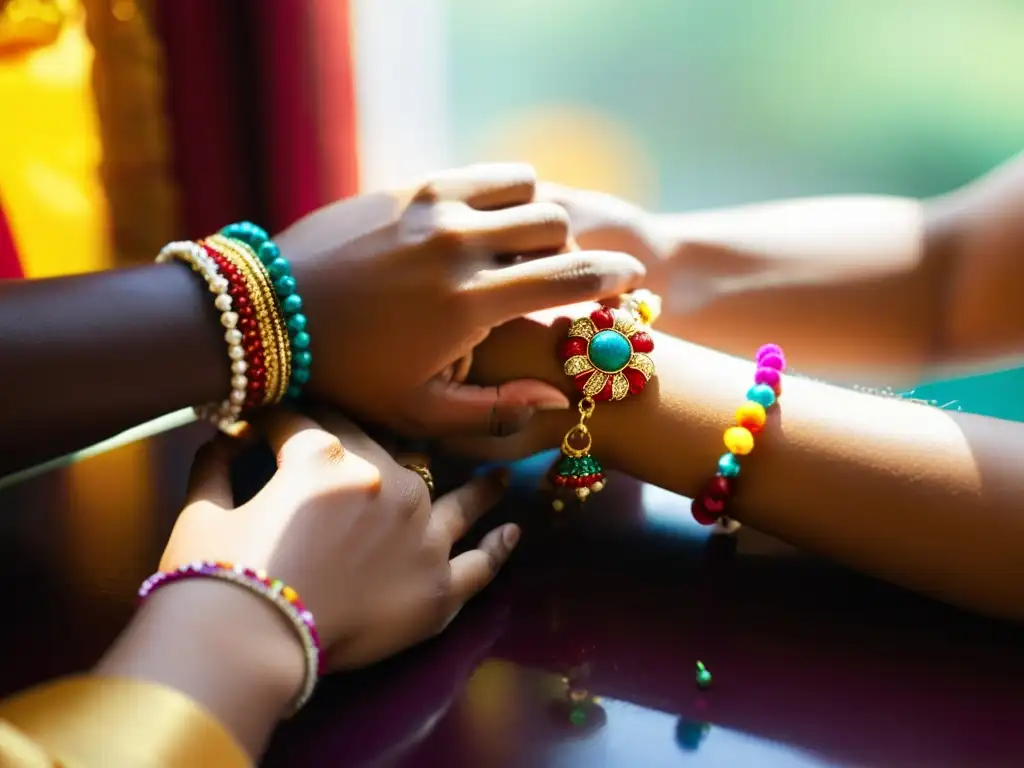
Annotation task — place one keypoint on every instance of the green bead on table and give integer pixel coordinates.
(609, 351)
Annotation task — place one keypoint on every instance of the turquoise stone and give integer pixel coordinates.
(728, 465)
(297, 323)
(300, 340)
(291, 304)
(763, 394)
(302, 359)
(300, 376)
(609, 351)
(268, 252)
(278, 268)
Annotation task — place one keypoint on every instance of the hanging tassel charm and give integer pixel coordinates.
(577, 471)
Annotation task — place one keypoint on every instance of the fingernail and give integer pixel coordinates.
(551, 402)
(510, 535)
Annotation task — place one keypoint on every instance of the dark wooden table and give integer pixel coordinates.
(581, 654)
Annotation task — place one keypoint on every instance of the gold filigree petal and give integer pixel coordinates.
(577, 364)
(583, 328)
(624, 323)
(642, 363)
(595, 384)
(620, 386)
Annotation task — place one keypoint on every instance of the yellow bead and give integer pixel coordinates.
(752, 416)
(739, 441)
(289, 594)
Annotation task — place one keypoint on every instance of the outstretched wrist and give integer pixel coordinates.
(227, 649)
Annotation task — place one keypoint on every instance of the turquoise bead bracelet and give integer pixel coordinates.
(286, 290)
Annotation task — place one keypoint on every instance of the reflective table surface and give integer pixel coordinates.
(582, 653)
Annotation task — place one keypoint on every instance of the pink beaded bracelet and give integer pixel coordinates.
(284, 597)
(711, 505)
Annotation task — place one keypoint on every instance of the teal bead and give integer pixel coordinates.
(728, 465)
(296, 323)
(609, 351)
(300, 340)
(763, 394)
(255, 230)
(300, 375)
(294, 392)
(703, 679)
(268, 252)
(278, 268)
(285, 286)
(302, 358)
(291, 304)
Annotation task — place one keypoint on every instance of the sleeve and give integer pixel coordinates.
(87, 721)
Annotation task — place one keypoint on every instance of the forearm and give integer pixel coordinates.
(923, 497)
(224, 648)
(849, 284)
(88, 356)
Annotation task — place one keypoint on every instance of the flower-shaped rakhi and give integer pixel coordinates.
(606, 355)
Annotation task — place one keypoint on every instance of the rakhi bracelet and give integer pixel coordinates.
(288, 298)
(197, 258)
(606, 355)
(284, 597)
(712, 504)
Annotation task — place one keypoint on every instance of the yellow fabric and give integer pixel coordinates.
(87, 722)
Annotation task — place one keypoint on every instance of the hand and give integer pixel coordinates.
(400, 286)
(603, 222)
(353, 532)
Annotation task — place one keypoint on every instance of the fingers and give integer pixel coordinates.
(210, 477)
(483, 186)
(533, 227)
(474, 570)
(553, 281)
(454, 408)
(295, 438)
(456, 512)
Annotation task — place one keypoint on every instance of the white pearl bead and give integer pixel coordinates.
(225, 424)
(239, 382)
(229, 319)
(239, 366)
(222, 302)
(233, 336)
(219, 285)
(236, 352)
(237, 396)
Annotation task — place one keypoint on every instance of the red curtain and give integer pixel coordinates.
(262, 108)
(10, 267)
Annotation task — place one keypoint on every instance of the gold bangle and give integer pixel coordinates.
(257, 297)
(277, 323)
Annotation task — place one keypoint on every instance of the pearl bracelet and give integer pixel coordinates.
(283, 597)
(225, 414)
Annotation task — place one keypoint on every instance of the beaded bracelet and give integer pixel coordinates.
(711, 505)
(227, 412)
(284, 597)
(290, 302)
(606, 355)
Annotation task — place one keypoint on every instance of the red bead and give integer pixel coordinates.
(236, 290)
(718, 487)
(256, 387)
(715, 507)
(641, 341)
(243, 301)
(245, 313)
(247, 325)
(255, 359)
(250, 348)
(637, 381)
(560, 479)
(573, 347)
(602, 318)
(257, 372)
(700, 514)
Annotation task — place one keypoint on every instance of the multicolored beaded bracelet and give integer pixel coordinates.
(289, 300)
(711, 505)
(193, 254)
(284, 597)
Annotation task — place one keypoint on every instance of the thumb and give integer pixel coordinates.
(450, 407)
